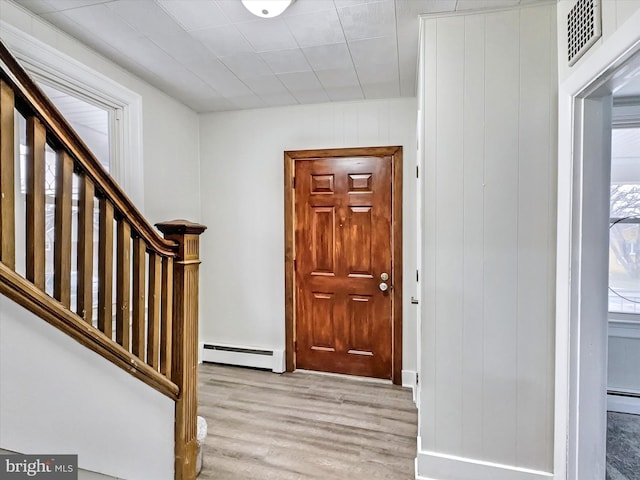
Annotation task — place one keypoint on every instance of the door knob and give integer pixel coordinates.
(384, 287)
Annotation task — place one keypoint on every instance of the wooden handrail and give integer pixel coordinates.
(31, 100)
(155, 279)
(39, 303)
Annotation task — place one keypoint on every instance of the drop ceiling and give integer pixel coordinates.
(213, 55)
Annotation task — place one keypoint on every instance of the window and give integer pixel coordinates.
(624, 232)
(92, 123)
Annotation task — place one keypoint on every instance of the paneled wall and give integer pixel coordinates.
(487, 366)
(242, 185)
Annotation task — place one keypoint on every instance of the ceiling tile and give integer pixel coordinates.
(319, 28)
(311, 96)
(484, 4)
(96, 26)
(216, 74)
(246, 65)
(194, 14)
(235, 11)
(265, 85)
(339, 94)
(286, 61)
(304, 86)
(381, 90)
(299, 81)
(279, 99)
(340, 77)
(182, 47)
(224, 41)
(375, 19)
(350, 3)
(376, 73)
(39, 6)
(374, 50)
(48, 6)
(408, 67)
(145, 17)
(247, 101)
(216, 104)
(413, 8)
(265, 36)
(324, 57)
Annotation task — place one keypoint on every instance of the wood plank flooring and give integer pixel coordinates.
(304, 426)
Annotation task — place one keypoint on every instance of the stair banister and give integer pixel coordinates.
(155, 279)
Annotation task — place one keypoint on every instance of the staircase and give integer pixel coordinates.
(151, 329)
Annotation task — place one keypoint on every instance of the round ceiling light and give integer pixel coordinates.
(267, 8)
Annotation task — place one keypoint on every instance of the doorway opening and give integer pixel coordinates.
(343, 261)
(588, 182)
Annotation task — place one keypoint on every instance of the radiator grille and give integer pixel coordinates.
(584, 28)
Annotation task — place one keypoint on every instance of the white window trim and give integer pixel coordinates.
(625, 114)
(46, 63)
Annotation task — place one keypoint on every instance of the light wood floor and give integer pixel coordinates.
(304, 426)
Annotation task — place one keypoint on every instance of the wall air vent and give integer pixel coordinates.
(584, 24)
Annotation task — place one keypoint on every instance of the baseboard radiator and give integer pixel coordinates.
(244, 356)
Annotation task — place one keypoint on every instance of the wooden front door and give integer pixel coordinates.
(343, 265)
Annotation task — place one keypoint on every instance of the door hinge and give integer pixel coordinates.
(417, 171)
(417, 378)
(293, 182)
(417, 275)
(295, 345)
(295, 264)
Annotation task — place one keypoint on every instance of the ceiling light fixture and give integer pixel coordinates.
(267, 8)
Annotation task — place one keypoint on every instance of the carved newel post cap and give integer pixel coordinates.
(181, 227)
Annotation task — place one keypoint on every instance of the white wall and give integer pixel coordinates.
(56, 396)
(487, 374)
(614, 14)
(170, 129)
(242, 185)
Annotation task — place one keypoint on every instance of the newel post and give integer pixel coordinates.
(184, 368)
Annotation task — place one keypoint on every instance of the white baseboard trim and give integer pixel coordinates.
(622, 404)
(409, 381)
(244, 356)
(438, 466)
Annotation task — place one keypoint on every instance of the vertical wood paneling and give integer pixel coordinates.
(489, 218)
(153, 327)
(473, 245)
(105, 269)
(62, 236)
(35, 227)
(123, 284)
(500, 234)
(7, 177)
(449, 232)
(85, 249)
(534, 190)
(429, 407)
(166, 318)
(138, 329)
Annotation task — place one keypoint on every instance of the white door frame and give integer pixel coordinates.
(584, 109)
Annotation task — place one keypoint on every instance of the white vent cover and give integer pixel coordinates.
(584, 28)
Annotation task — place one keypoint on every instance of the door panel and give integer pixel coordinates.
(342, 247)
